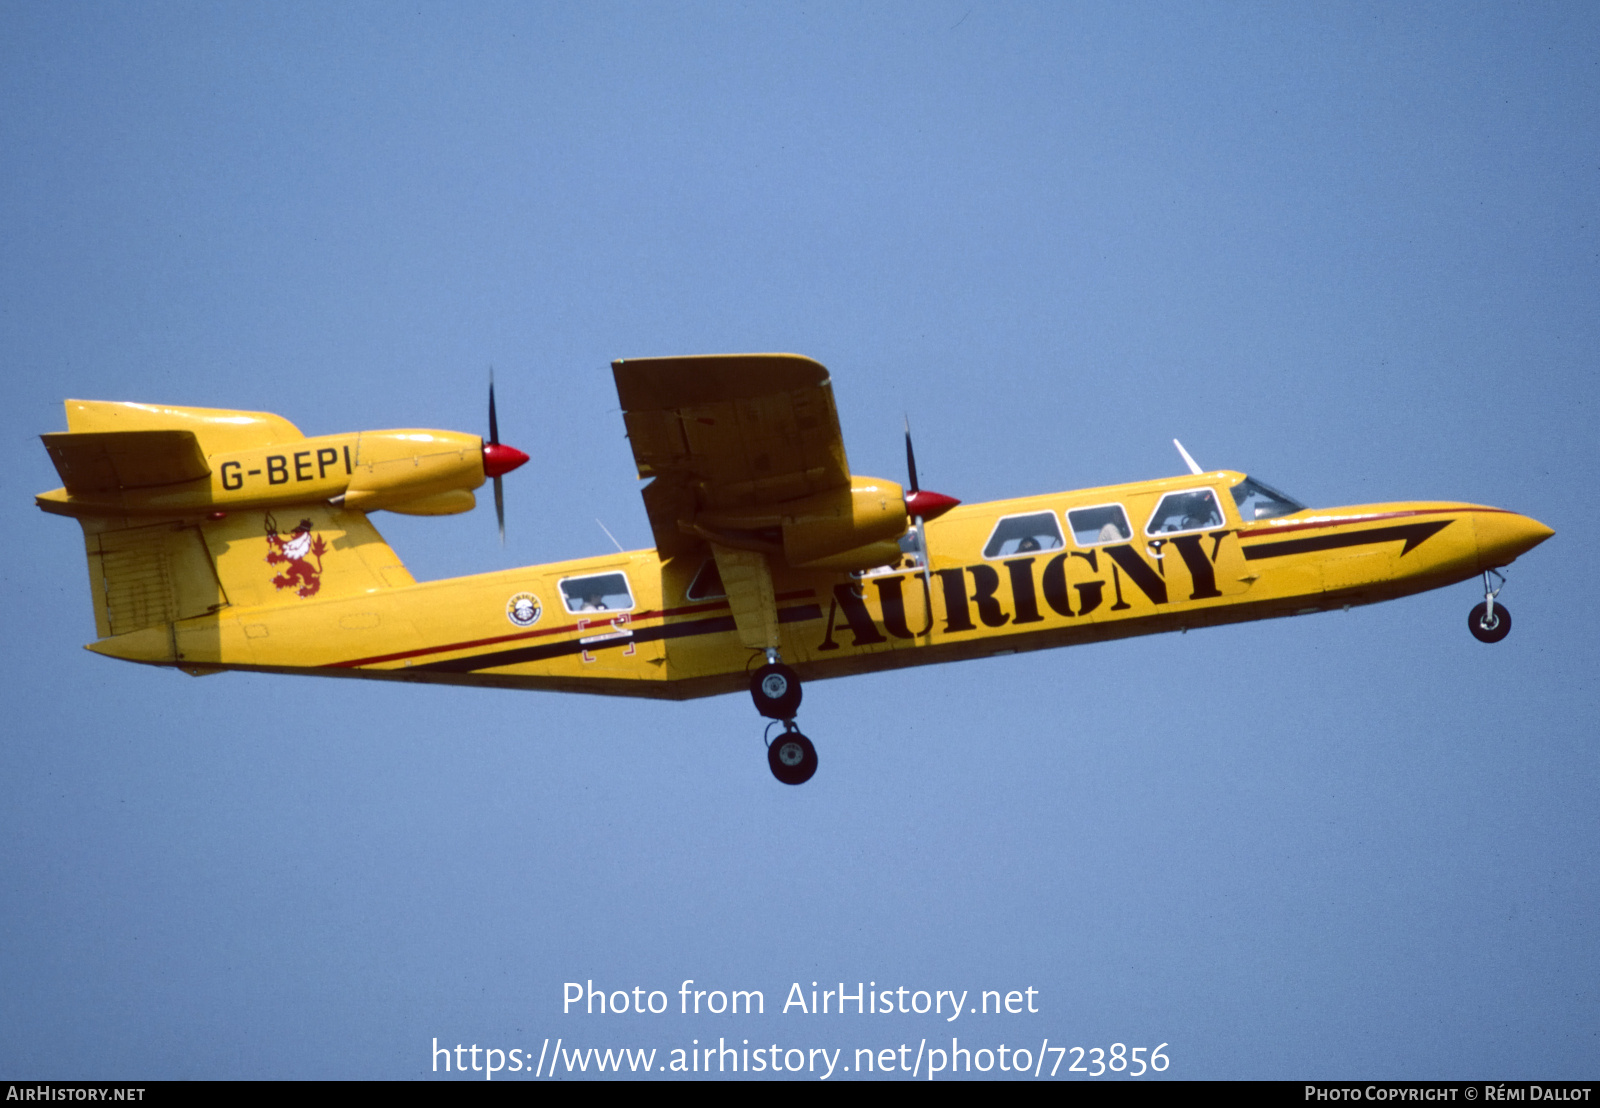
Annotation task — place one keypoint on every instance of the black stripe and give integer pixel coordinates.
(1414, 533)
(714, 625)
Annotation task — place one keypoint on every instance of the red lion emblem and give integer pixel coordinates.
(295, 550)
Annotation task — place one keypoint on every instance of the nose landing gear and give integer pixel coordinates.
(775, 688)
(1490, 622)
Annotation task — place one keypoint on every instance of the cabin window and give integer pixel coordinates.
(1194, 510)
(1022, 534)
(1102, 524)
(707, 584)
(602, 592)
(1261, 501)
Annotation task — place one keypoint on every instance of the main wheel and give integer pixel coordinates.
(1489, 629)
(776, 690)
(792, 757)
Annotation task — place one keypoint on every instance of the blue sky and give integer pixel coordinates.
(1349, 249)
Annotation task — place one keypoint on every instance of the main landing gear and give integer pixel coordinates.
(775, 688)
(1490, 622)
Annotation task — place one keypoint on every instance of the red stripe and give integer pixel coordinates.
(1266, 530)
(515, 636)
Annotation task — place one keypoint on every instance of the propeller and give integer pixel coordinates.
(923, 505)
(498, 460)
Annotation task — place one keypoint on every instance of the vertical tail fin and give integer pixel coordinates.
(149, 581)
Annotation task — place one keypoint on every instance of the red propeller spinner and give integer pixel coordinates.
(928, 504)
(500, 459)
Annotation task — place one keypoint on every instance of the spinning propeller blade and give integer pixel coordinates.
(923, 506)
(498, 460)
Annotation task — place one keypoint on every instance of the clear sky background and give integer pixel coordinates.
(1350, 249)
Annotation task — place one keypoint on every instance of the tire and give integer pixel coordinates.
(792, 758)
(775, 688)
(1499, 630)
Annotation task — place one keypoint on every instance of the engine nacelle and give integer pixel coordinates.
(140, 459)
(851, 528)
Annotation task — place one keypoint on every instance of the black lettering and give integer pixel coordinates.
(253, 473)
(1055, 586)
(1216, 542)
(1089, 595)
(1155, 546)
(277, 469)
(232, 480)
(1205, 580)
(325, 458)
(956, 616)
(894, 606)
(347, 458)
(827, 642)
(1022, 595)
(856, 615)
(302, 470)
(985, 583)
(1139, 572)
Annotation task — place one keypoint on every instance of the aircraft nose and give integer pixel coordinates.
(1504, 535)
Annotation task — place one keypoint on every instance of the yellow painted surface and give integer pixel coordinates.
(665, 644)
(288, 574)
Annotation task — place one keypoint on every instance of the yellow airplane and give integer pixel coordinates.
(773, 564)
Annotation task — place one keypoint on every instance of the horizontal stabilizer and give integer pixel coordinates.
(108, 461)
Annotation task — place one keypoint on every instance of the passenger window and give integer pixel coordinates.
(1023, 534)
(1094, 526)
(707, 584)
(604, 592)
(1194, 510)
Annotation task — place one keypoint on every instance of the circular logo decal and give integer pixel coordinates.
(523, 609)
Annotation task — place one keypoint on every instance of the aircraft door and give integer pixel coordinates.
(1196, 546)
(613, 611)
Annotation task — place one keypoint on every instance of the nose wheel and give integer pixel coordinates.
(1490, 622)
(775, 688)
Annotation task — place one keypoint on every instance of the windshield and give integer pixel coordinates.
(1259, 501)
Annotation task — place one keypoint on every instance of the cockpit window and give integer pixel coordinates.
(1094, 526)
(1259, 501)
(1193, 510)
(1023, 534)
(604, 592)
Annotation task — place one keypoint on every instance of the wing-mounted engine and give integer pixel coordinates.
(746, 453)
(855, 527)
(144, 460)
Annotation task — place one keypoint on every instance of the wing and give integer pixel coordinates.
(728, 432)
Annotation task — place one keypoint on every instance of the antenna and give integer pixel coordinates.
(1194, 466)
(612, 537)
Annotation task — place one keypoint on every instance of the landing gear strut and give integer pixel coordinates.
(775, 688)
(1490, 622)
